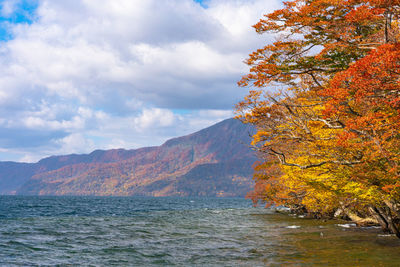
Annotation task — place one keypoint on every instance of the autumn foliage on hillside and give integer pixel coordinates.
(325, 98)
(211, 162)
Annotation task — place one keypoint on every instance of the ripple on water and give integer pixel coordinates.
(171, 231)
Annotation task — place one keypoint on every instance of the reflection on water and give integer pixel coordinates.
(184, 232)
(332, 243)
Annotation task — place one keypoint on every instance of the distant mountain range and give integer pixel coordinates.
(215, 161)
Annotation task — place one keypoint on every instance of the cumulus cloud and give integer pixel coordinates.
(119, 73)
(154, 118)
(75, 142)
(8, 8)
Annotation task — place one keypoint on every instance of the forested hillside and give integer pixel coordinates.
(215, 161)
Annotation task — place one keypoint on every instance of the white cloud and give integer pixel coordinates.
(8, 7)
(75, 142)
(98, 74)
(155, 117)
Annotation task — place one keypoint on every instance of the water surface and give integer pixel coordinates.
(131, 231)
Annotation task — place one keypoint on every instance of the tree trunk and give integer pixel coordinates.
(381, 220)
(359, 220)
(385, 213)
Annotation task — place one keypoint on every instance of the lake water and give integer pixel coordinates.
(131, 231)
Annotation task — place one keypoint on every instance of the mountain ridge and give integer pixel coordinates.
(210, 162)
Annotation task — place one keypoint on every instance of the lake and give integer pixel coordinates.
(134, 231)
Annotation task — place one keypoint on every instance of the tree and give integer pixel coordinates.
(366, 97)
(329, 137)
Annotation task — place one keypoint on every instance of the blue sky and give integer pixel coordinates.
(82, 75)
(16, 12)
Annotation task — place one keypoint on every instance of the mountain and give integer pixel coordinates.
(212, 162)
(14, 174)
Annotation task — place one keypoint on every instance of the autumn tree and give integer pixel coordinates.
(328, 138)
(366, 98)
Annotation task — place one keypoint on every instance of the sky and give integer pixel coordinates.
(80, 75)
